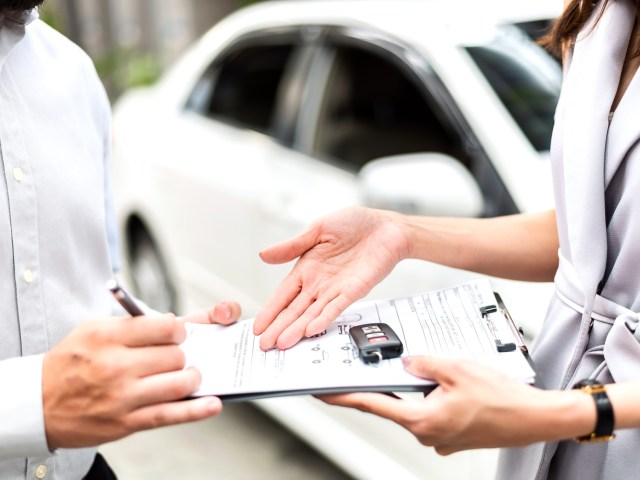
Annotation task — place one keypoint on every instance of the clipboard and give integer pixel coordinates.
(446, 323)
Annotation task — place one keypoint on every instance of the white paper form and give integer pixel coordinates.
(444, 323)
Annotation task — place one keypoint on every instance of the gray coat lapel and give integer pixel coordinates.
(624, 131)
(591, 86)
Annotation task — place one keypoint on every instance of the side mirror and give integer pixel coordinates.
(421, 184)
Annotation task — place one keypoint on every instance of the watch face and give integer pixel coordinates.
(587, 382)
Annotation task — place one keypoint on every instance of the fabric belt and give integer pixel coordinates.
(622, 345)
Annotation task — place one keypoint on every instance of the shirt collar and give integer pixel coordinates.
(12, 30)
(21, 17)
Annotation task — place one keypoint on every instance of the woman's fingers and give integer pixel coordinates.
(284, 294)
(290, 249)
(329, 313)
(341, 257)
(300, 327)
(442, 371)
(286, 317)
(397, 410)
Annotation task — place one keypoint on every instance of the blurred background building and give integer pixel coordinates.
(132, 41)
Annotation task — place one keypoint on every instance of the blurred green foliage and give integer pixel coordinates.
(49, 17)
(122, 68)
(119, 68)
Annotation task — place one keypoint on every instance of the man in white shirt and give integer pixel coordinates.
(73, 376)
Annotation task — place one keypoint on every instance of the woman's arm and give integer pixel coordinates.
(519, 247)
(476, 407)
(342, 256)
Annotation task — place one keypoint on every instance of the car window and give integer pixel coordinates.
(374, 108)
(534, 29)
(525, 78)
(243, 87)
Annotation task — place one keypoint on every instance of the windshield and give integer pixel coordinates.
(525, 77)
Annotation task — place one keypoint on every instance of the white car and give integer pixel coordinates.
(285, 111)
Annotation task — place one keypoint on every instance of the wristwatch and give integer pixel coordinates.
(604, 412)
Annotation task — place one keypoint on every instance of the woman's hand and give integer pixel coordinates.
(475, 407)
(342, 257)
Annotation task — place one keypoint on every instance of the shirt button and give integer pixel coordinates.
(41, 471)
(18, 174)
(28, 276)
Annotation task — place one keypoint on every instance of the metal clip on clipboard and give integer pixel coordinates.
(517, 332)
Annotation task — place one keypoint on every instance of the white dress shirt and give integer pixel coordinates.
(54, 253)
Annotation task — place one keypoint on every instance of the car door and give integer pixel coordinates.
(366, 97)
(235, 182)
(220, 172)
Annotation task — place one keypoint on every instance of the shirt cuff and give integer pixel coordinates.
(22, 430)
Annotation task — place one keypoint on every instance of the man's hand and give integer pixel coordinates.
(475, 407)
(223, 313)
(342, 257)
(111, 377)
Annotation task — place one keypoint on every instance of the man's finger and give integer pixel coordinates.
(143, 331)
(145, 361)
(227, 312)
(200, 316)
(165, 387)
(173, 413)
(224, 313)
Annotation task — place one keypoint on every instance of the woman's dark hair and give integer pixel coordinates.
(564, 30)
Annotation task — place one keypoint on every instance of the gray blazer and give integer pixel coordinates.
(596, 169)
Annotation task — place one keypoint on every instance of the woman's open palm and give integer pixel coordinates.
(342, 256)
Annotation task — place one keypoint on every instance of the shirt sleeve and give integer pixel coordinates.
(22, 431)
(111, 221)
(111, 224)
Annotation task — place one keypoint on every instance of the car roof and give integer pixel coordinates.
(435, 27)
(413, 20)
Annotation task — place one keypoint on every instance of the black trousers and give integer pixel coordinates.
(100, 470)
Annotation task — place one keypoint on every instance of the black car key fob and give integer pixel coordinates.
(375, 342)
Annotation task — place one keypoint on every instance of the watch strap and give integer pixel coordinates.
(605, 419)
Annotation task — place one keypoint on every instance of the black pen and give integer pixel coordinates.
(124, 298)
